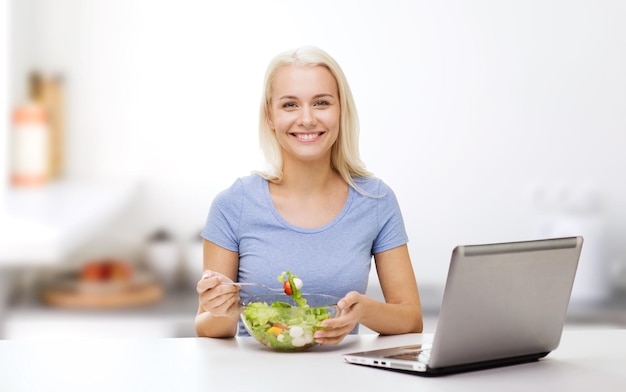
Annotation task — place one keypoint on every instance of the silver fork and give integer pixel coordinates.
(253, 284)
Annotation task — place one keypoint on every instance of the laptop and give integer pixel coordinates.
(503, 304)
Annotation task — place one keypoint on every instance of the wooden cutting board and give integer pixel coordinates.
(103, 295)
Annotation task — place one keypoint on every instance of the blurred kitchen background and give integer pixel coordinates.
(121, 119)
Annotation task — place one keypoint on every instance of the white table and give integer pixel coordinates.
(586, 360)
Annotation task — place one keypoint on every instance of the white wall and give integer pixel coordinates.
(468, 109)
(4, 103)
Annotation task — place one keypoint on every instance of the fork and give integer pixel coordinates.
(253, 284)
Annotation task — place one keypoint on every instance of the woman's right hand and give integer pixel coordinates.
(217, 299)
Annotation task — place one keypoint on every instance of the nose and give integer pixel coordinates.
(307, 117)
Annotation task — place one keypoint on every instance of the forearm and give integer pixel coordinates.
(211, 326)
(391, 318)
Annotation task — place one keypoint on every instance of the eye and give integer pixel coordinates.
(288, 105)
(322, 103)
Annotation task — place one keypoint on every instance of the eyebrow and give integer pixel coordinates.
(323, 95)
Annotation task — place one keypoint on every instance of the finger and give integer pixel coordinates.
(219, 301)
(345, 319)
(334, 332)
(350, 299)
(218, 293)
(335, 338)
(216, 300)
(208, 281)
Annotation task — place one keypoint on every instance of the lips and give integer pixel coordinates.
(308, 136)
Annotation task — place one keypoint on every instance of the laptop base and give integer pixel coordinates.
(485, 365)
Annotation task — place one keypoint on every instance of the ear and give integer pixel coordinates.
(268, 118)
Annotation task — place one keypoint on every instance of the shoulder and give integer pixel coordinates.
(244, 185)
(372, 187)
(240, 189)
(253, 180)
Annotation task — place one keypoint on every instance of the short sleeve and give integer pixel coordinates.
(223, 219)
(392, 232)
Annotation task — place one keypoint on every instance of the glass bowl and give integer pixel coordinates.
(277, 322)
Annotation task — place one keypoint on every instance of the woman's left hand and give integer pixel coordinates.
(350, 309)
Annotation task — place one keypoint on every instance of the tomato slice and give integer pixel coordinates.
(287, 288)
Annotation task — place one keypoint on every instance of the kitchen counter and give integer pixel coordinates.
(586, 359)
(43, 225)
(609, 311)
(173, 316)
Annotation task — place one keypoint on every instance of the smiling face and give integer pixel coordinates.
(304, 112)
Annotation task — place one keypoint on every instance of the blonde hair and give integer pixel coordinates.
(345, 158)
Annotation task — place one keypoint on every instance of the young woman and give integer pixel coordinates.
(316, 212)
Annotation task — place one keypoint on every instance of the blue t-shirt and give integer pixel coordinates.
(333, 259)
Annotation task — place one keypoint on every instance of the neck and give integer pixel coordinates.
(308, 177)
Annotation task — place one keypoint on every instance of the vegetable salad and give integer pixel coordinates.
(283, 326)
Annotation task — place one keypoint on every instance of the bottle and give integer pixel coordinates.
(48, 92)
(30, 141)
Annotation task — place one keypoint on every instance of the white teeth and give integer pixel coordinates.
(307, 136)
